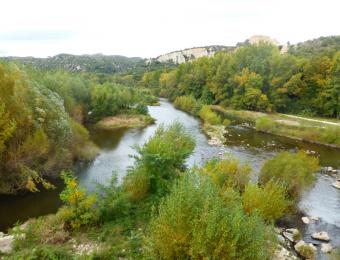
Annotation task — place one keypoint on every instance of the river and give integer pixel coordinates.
(243, 143)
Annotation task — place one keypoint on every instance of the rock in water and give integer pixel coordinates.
(301, 247)
(305, 220)
(326, 248)
(6, 244)
(336, 184)
(323, 236)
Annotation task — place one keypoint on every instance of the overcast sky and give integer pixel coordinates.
(148, 28)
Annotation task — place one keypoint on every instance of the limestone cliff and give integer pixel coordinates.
(185, 55)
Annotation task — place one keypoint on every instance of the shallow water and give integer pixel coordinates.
(244, 143)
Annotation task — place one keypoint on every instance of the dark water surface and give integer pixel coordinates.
(244, 143)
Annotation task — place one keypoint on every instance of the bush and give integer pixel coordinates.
(294, 170)
(142, 109)
(226, 122)
(161, 159)
(227, 173)
(193, 222)
(270, 201)
(331, 135)
(45, 252)
(79, 209)
(265, 124)
(186, 103)
(208, 116)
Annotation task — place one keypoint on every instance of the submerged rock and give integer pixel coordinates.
(323, 236)
(6, 244)
(326, 248)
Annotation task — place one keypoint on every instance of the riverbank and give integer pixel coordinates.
(124, 121)
(315, 131)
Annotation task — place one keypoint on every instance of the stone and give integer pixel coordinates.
(336, 184)
(323, 236)
(314, 218)
(326, 248)
(282, 253)
(2, 234)
(281, 240)
(299, 246)
(305, 220)
(291, 234)
(6, 244)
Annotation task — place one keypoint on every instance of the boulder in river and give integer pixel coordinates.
(6, 244)
(336, 184)
(326, 248)
(323, 236)
(292, 234)
(305, 220)
(305, 250)
(282, 253)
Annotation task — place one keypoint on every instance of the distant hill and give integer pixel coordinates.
(323, 45)
(81, 63)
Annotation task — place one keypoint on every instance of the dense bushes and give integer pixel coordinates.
(208, 116)
(270, 201)
(37, 136)
(294, 170)
(188, 104)
(265, 124)
(194, 222)
(227, 173)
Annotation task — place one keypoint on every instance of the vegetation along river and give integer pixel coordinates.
(245, 144)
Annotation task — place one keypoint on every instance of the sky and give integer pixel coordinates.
(148, 28)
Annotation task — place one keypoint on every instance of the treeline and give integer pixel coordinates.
(162, 210)
(42, 116)
(257, 77)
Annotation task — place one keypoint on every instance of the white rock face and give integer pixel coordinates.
(336, 184)
(321, 236)
(6, 244)
(182, 56)
(326, 248)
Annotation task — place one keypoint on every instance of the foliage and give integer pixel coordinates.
(159, 161)
(45, 252)
(270, 201)
(188, 104)
(194, 222)
(78, 210)
(294, 170)
(257, 77)
(265, 124)
(227, 173)
(209, 116)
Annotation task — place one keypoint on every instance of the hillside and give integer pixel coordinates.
(96, 63)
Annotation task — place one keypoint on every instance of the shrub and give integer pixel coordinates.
(208, 116)
(137, 184)
(79, 209)
(193, 222)
(161, 158)
(226, 122)
(45, 252)
(227, 173)
(186, 103)
(331, 135)
(142, 109)
(265, 124)
(294, 170)
(270, 201)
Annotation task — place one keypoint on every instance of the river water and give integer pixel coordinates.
(243, 143)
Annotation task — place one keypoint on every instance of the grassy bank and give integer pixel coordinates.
(320, 131)
(124, 121)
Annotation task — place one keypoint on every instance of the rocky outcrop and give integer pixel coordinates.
(323, 236)
(186, 55)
